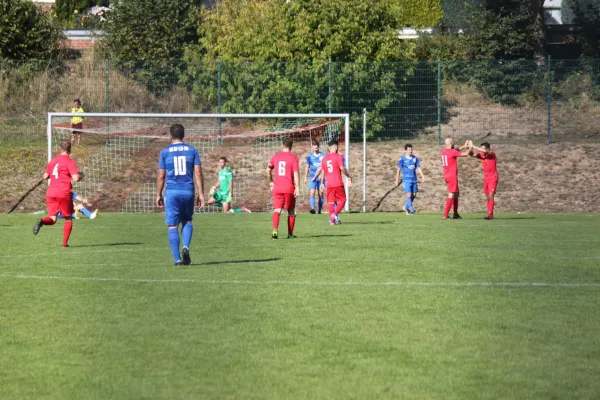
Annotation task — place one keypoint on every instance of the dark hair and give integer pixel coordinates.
(485, 145)
(77, 101)
(315, 143)
(223, 158)
(406, 146)
(65, 145)
(332, 143)
(177, 131)
(288, 142)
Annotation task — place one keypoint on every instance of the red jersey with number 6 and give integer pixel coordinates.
(284, 165)
(449, 161)
(331, 164)
(61, 170)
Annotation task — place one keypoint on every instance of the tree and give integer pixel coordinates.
(148, 37)
(68, 10)
(26, 32)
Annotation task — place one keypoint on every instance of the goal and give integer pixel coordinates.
(119, 152)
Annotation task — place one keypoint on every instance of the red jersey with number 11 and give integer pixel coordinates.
(61, 170)
(449, 161)
(284, 165)
(331, 164)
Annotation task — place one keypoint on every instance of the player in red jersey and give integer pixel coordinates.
(285, 186)
(61, 170)
(450, 163)
(490, 174)
(332, 167)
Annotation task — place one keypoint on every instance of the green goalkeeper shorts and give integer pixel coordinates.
(222, 197)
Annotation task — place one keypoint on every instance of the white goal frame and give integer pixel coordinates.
(345, 116)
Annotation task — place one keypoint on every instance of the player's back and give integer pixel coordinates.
(332, 164)
(284, 165)
(178, 160)
(61, 170)
(449, 161)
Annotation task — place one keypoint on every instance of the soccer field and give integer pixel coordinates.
(383, 306)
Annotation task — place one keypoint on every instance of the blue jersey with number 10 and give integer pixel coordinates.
(178, 161)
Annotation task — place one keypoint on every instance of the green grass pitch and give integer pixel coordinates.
(383, 306)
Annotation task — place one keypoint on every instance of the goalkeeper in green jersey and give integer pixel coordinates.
(222, 192)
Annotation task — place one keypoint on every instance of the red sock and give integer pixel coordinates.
(340, 206)
(490, 206)
(455, 206)
(67, 232)
(48, 221)
(448, 206)
(331, 209)
(291, 222)
(275, 220)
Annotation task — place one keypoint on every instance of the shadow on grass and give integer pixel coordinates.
(367, 222)
(109, 244)
(261, 260)
(320, 236)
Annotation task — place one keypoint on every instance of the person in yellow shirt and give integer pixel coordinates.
(76, 122)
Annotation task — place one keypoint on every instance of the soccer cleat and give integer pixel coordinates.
(319, 212)
(312, 211)
(446, 218)
(77, 214)
(65, 245)
(275, 234)
(37, 226)
(337, 219)
(178, 263)
(185, 255)
(292, 237)
(489, 217)
(94, 214)
(332, 222)
(456, 216)
(405, 210)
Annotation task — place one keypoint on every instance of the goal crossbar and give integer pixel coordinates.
(344, 116)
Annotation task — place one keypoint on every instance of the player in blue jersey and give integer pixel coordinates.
(179, 165)
(409, 165)
(80, 208)
(313, 163)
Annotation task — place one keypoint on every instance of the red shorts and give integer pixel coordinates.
(335, 194)
(489, 186)
(77, 126)
(452, 183)
(63, 204)
(287, 201)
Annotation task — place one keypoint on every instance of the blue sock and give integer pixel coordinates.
(86, 212)
(312, 202)
(174, 243)
(186, 233)
(320, 203)
(409, 204)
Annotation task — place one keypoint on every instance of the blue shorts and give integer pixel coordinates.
(410, 187)
(316, 185)
(179, 206)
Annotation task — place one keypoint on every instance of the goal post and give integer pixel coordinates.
(119, 152)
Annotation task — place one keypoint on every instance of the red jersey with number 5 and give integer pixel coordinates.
(61, 170)
(331, 164)
(449, 161)
(284, 165)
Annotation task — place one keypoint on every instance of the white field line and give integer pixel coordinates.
(312, 283)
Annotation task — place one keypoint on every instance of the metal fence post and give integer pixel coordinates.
(330, 96)
(364, 199)
(549, 98)
(439, 100)
(219, 100)
(107, 96)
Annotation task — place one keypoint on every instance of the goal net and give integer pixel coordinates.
(119, 152)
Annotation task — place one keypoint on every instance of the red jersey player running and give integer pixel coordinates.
(450, 163)
(285, 186)
(490, 175)
(61, 170)
(332, 167)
